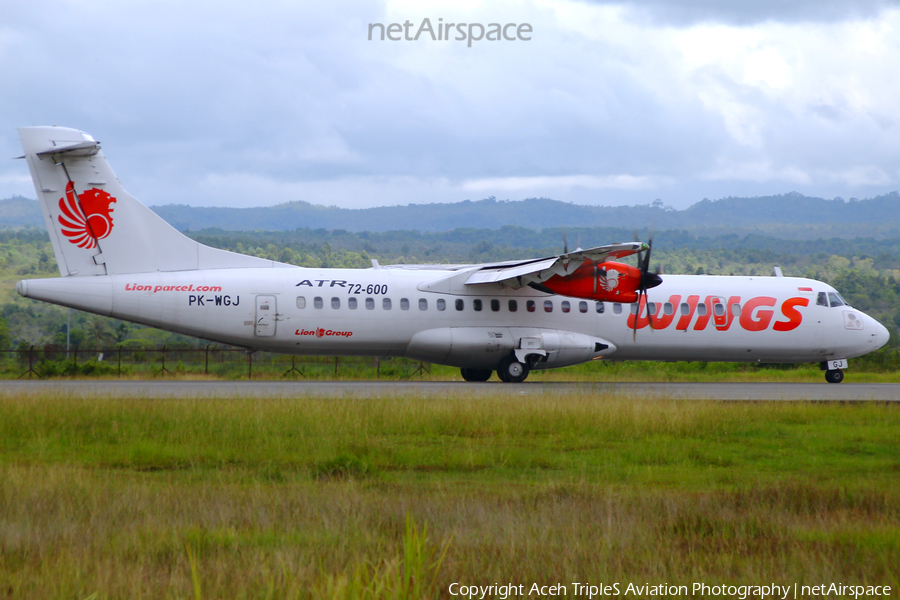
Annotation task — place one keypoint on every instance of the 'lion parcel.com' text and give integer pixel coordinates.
(740, 591)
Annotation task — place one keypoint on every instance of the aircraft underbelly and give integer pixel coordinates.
(731, 346)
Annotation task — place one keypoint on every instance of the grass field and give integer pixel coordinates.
(400, 497)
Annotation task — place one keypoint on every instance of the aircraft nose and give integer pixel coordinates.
(882, 335)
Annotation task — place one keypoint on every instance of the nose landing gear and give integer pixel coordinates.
(834, 369)
(835, 376)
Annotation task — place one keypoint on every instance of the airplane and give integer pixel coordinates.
(117, 258)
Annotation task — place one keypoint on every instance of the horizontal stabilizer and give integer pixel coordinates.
(85, 148)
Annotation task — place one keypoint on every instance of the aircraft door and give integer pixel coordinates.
(719, 310)
(265, 316)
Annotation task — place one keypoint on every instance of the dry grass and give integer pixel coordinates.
(234, 498)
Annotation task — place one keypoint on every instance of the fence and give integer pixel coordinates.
(212, 361)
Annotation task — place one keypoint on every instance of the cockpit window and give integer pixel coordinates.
(821, 299)
(835, 299)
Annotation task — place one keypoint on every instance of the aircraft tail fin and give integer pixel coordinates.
(95, 226)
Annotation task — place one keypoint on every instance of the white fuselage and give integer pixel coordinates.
(417, 313)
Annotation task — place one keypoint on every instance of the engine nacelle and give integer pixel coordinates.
(607, 281)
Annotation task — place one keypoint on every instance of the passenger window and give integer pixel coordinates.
(719, 309)
(476, 304)
(404, 303)
(423, 304)
(701, 309)
(633, 308)
(564, 306)
(335, 302)
(617, 308)
(351, 303)
(370, 303)
(301, 302)
(529, 306)
(495, 305)
(736, 309)
(821, 299)
(548, 305)
(317, 302)
(441, 304)
(513, 306)
(685, 308)
(386, 304)
(582, 306)
(460, 304)
(600, 308)
(651, 308)
(669, 308)
(834, 299)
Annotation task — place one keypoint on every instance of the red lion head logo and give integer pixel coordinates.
(87, 217)
(320, 332)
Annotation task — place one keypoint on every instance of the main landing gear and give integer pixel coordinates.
(476, 374)
(835, 376)
(510, 370)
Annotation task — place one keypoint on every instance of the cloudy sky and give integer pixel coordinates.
(232, 103)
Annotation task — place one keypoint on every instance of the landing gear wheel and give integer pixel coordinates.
(835, 376)
(476, 374)
(510, 370)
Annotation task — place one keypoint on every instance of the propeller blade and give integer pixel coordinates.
(636, 315)
(565, 243)
(648, 280)
(646, 266)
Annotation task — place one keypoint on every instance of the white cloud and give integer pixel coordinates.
(17, 181)
(234, 104)
(861, 176)
(758, 172)
(562, 183)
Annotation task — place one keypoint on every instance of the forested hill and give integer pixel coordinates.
(789, 215)
(20, 212)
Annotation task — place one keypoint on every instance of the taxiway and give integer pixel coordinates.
(819, 392)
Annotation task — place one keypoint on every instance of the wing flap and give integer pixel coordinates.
(488, 275)
(516, 275)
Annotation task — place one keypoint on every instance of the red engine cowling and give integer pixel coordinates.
(606, 281)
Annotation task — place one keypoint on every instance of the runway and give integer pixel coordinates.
(820, 392)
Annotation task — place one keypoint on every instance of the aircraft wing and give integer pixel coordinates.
(516, 274)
